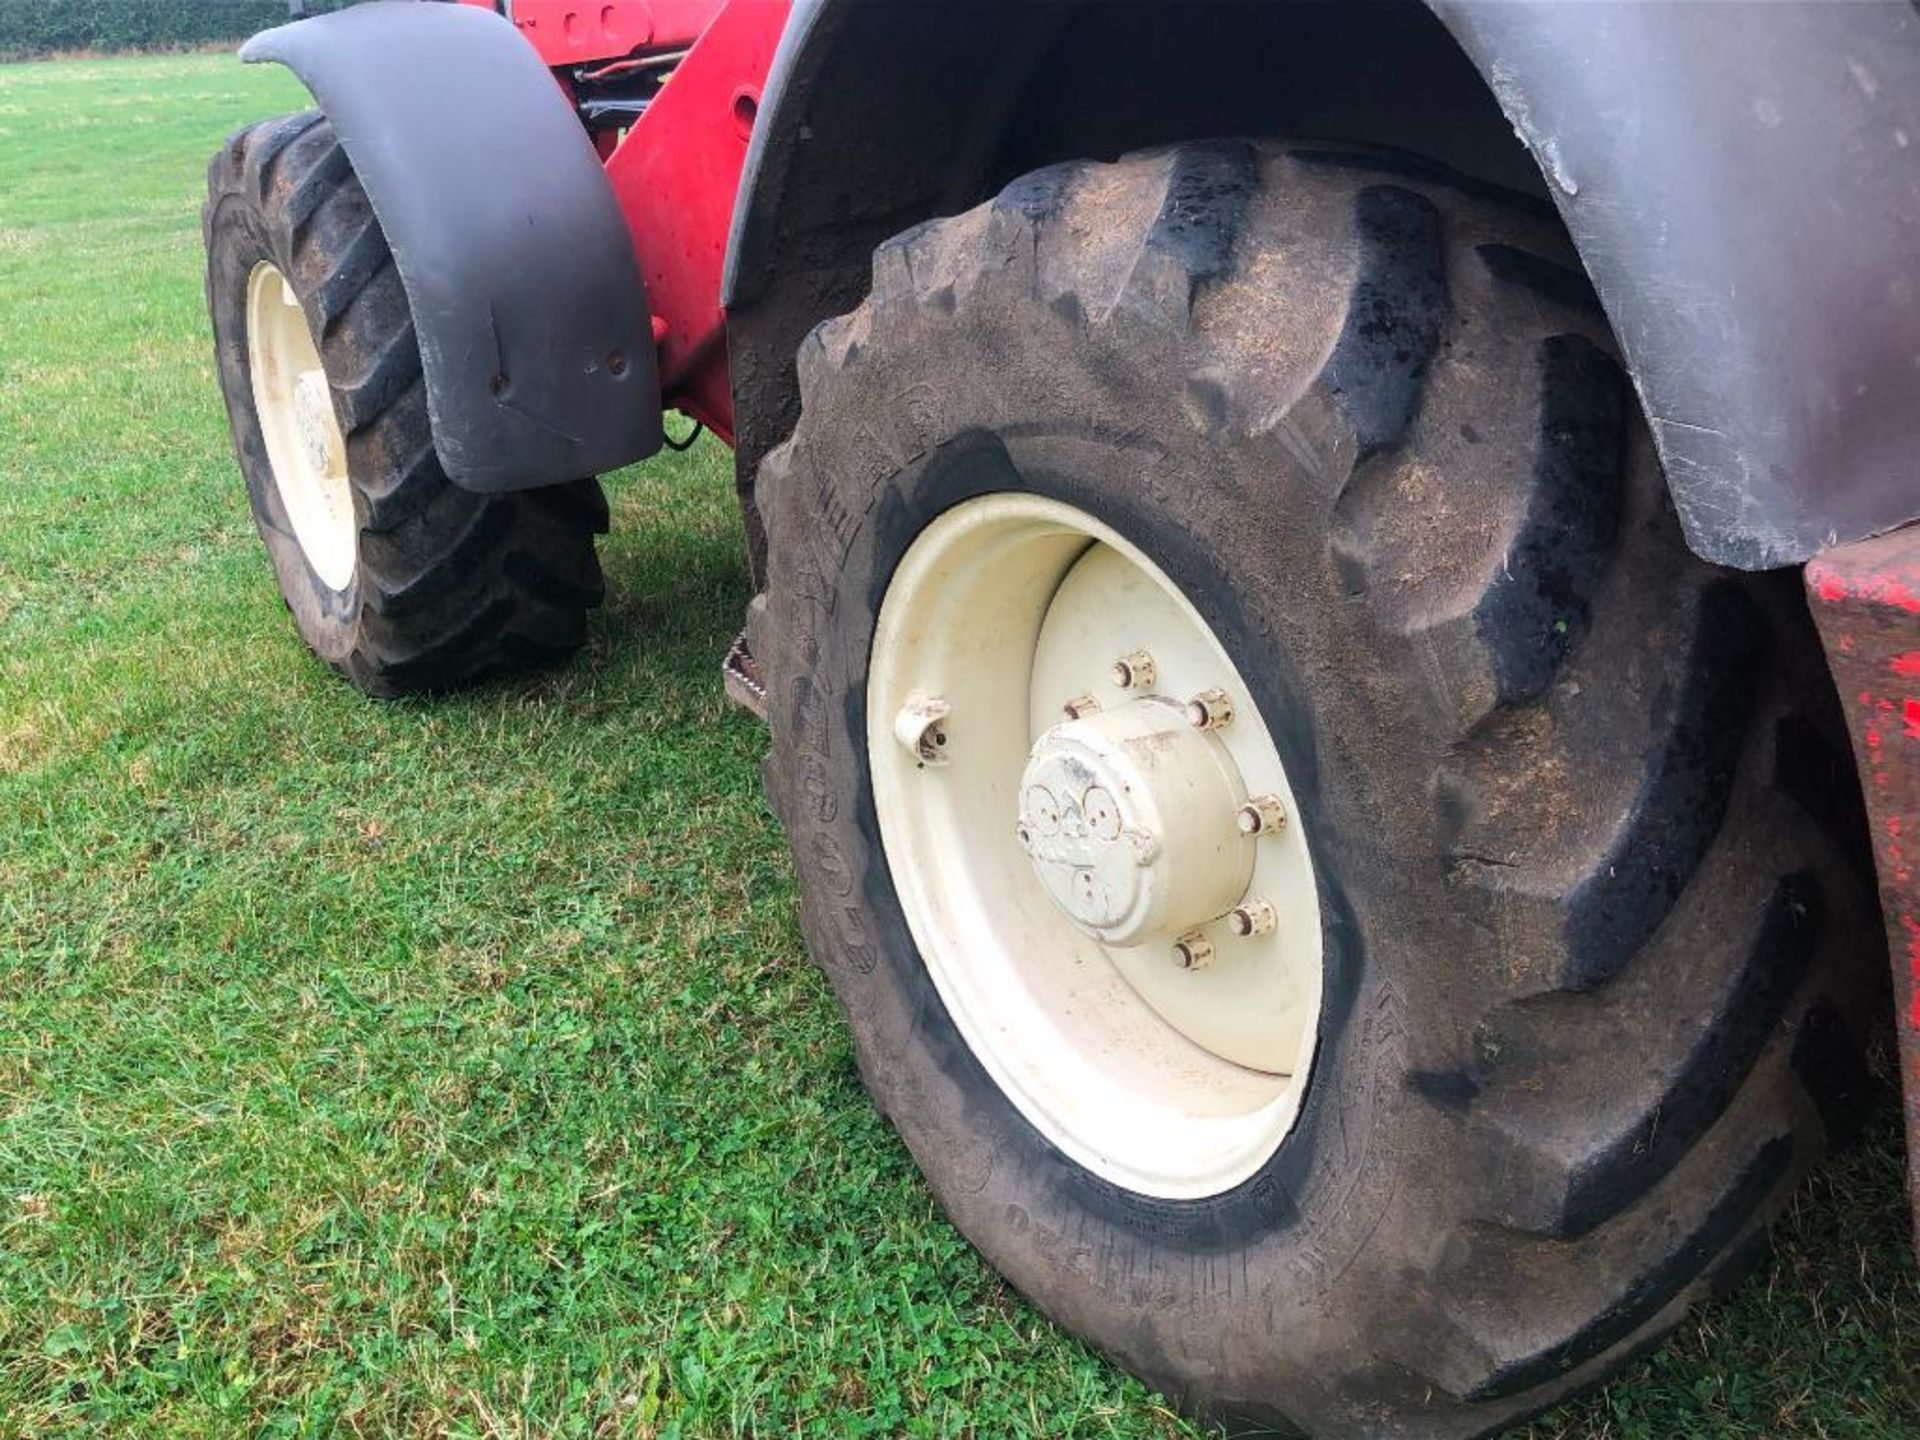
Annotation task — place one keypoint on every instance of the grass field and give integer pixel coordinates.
(393, 1069)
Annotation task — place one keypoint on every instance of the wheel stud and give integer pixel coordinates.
(1193, 950)
(1134, 671)
(1262, 815)
(1081, 705)
(921, 726)
(1252, 917)
(1210, 710)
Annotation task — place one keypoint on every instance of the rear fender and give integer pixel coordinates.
(527, 299)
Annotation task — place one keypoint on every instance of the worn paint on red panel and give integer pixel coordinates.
(1896, 585)
(1913, 967)
(1866, 600)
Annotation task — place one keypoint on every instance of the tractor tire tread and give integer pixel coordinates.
(1601, 804)
(452, 586)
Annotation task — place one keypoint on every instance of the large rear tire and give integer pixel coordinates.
(1589, 944)
(396, 577)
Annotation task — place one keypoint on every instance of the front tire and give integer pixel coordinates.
(396, 577)
(1588, 961)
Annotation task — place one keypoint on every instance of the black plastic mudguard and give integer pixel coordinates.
(527, 299)
(1742, 181)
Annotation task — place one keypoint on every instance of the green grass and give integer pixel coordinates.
(379, 1069)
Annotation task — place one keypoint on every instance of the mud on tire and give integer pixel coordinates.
(448, 586)
(1596, 943)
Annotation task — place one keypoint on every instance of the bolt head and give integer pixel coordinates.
(1081, 706)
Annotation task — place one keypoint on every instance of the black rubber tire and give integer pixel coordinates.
(1597, 943)
(448, 587)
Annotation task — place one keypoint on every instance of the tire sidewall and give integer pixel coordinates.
(239, 238)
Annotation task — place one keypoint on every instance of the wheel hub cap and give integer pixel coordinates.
(313, 414)
(1128, 818)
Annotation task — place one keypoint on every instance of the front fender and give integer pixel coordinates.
(1744, 186)
(527, 299)
(1742, 181)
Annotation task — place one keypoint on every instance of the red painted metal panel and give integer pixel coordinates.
(1866, 601)
(575, 32)
(675, 175)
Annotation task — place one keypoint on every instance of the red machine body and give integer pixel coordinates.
(676, 174)
(1866, 601)
(566, 32)
(676, 170)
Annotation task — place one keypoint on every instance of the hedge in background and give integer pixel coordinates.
(35, 27)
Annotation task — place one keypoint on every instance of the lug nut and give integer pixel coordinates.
(1193, 950)
(921, 726)
(1081, 705)
(1134, 671)
(1252, 917)
(1262, 815)
(1210, 710)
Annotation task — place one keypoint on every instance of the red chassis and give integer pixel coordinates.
(1866, 601)
(675, 172)
(676, 169)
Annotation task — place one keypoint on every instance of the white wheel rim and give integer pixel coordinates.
(304, 445)
(1172, 1082)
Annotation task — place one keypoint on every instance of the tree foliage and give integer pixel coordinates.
(39, 27)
